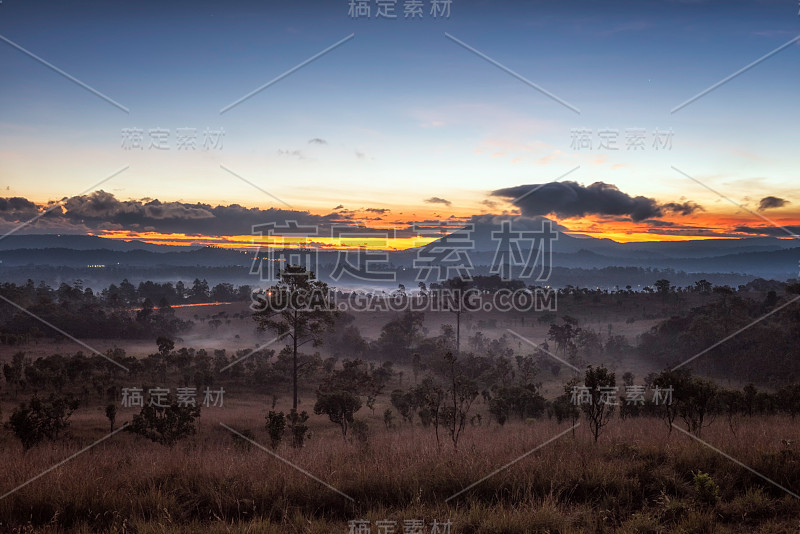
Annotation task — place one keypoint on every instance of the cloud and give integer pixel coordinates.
(771, 202)
(657, 223)
(379, 211)
(569, 199)
(339, 207)
(690, 232)
(14, 208)
(681, 208)
(101, 210)
(518, 222)
(346, 215)
(317, 141)
(774, 231)
(438, 200)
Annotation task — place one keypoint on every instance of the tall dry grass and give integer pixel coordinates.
(638, 478)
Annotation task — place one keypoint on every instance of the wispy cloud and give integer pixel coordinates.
(438, 200)
(771, 202)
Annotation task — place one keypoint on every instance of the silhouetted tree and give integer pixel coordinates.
(601, 383)
(111, 414)
(38, 419)
(297, 307)
(165, 424)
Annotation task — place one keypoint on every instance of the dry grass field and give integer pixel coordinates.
(637, 478)
(533, 475)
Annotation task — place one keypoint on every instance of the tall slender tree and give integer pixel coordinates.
(297, 307)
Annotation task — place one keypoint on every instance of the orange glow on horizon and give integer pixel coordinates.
(249, 242)
(701, 226)
(641, 237)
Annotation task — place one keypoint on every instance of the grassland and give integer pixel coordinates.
(638, 478)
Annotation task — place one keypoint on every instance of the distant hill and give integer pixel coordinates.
(757, 256)
(698, 248)
(184, 256)
(81, 242)
(752, 257)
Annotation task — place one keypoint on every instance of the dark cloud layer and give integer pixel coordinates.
(681, 208)
(570, 199)
(17, 204)
(519, 222)
(17, 210)
(102, 211)
(771, 202)
(774, 231)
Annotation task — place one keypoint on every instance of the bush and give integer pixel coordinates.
(298, 427)
(111, 414)
(598, 412)
(706, 489)
(165, 424)
(276, 426)
(339, 406)
(40, 419)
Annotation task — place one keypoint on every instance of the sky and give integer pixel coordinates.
(399, 120)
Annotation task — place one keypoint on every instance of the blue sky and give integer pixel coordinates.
(406, 113)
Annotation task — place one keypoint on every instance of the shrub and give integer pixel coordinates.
(40, 419)
(706, 489)
(111, 414)
(165, 424)
(298, 427)
(339, 406)
(599, 411)
(276, 426)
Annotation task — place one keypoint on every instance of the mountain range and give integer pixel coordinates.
(765, 257)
